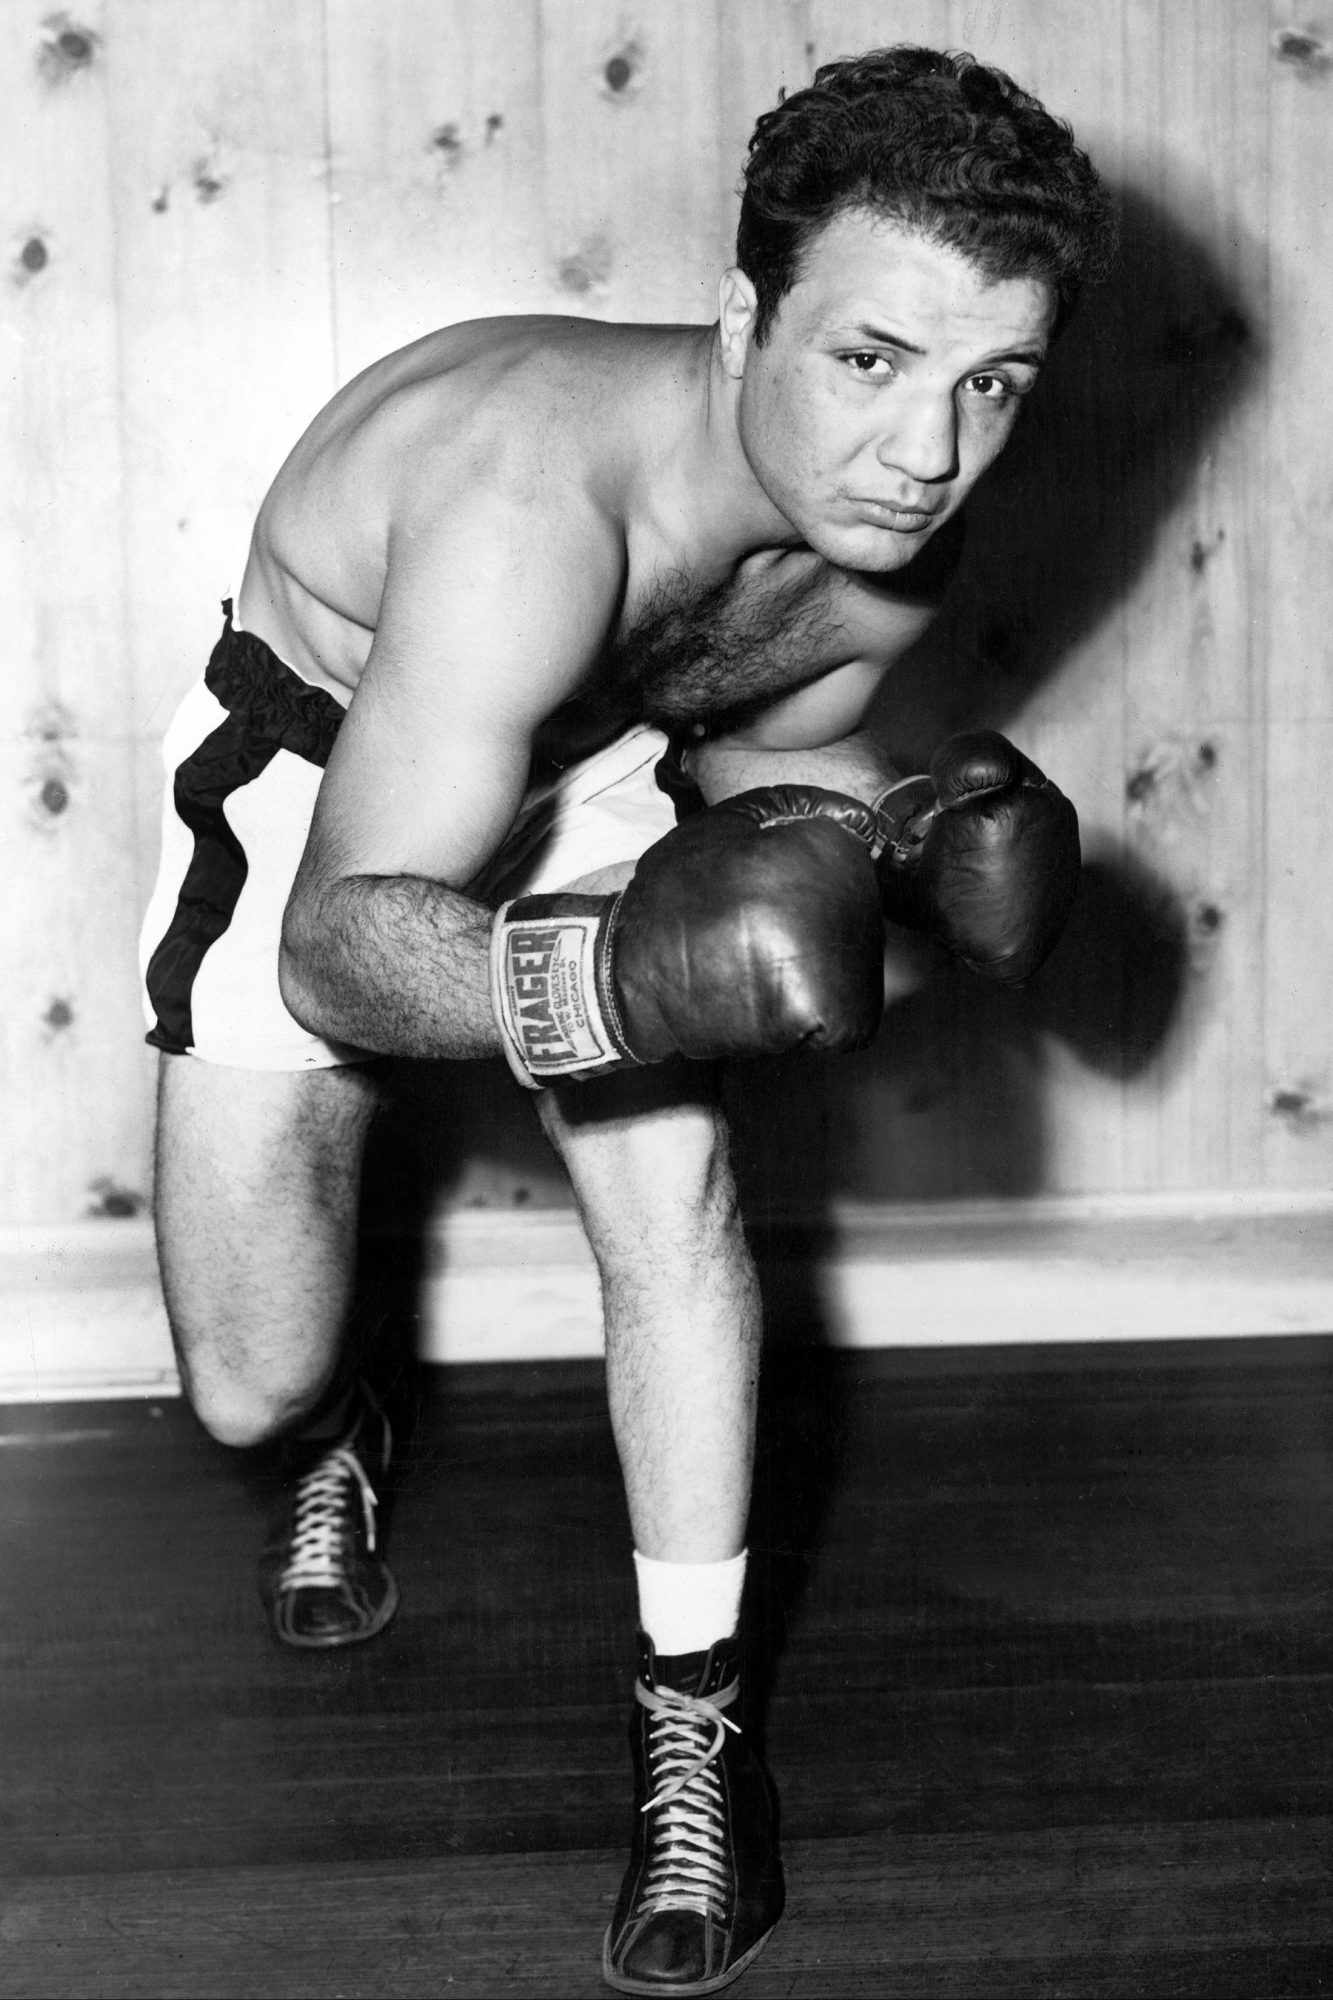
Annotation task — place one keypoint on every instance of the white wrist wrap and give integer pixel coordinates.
(549, 987)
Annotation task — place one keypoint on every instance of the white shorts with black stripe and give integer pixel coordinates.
(243, 759)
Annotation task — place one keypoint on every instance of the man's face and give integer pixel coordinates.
(891, 377)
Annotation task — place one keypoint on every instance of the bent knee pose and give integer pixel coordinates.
(540, 727)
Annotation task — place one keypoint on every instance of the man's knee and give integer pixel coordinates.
(246, 1406)
(256, 1210)
(234, 1417)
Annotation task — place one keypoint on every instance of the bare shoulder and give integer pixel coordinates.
(520, 412)
(492, 414)
(421, 422)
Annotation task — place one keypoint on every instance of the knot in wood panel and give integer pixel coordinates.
(33, 258)
(52, 722)
(1202, 553)
(207, 178)
(66, 48)
(587, 267)
(112, 1199)
(1302, 50)
(1298, 1108)
(1171, 777)
(1207, 924)
(50, 775)
(622, 73)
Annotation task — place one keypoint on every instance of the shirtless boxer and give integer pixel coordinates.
(520, 589)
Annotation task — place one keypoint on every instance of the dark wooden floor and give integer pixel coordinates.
(1051, 1702)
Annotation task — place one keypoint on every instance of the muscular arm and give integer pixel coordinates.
(483, 629)
(396, 964)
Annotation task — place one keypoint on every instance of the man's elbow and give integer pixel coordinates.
(304, 970)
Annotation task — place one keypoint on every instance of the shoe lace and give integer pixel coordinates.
(319, 1520)
(688, 1867)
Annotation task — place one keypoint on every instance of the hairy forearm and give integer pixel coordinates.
(856, 765)
(396, 964)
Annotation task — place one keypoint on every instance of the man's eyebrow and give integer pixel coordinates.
(1031, 356)
(884, 338)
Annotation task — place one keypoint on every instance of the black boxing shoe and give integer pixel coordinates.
(704, 1884)
(322, 1577)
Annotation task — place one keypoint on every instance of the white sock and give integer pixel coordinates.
(685, 1607)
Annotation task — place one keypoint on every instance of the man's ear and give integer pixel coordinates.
(736, 307)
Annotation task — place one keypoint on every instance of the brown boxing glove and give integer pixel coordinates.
(753, 928)
(983, 853)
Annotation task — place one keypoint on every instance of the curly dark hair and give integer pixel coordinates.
(938, 142)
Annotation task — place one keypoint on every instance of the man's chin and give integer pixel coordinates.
(872, 549)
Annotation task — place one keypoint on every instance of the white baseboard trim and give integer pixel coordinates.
(81, 1314)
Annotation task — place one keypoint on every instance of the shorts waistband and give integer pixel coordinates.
(249, 679)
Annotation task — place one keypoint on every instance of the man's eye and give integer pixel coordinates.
(992, 388)
(867, 363)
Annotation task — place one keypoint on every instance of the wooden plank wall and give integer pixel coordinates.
(216, 210)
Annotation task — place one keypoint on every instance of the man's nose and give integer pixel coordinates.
(923, 441)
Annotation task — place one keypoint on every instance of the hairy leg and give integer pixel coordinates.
(648, 1157)
(258, 1186)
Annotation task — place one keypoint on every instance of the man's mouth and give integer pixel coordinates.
(887, 514)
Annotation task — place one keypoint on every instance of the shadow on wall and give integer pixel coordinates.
(1059, 531)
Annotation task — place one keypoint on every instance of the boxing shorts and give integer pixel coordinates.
(243, 758)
